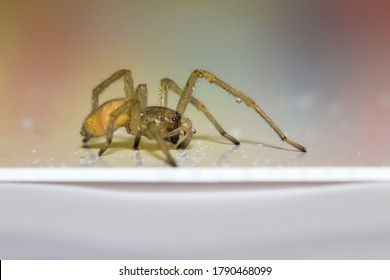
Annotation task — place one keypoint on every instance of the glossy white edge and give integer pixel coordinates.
(197, 175)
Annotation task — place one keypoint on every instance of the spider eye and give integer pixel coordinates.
(162, 119)
(177, 117)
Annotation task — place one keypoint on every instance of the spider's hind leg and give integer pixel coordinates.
(133, 107)
(127, 79)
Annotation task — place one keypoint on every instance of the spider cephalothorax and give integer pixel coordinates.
(159, 123)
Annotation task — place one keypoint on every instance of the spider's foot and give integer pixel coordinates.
(103, 149)
(295, 145)
(136, 142)
(183, 145)
(86, 136)
(230, 138)
(299, 147)
(173, 163)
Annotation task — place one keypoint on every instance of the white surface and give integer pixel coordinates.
(197, 175)
(206, 221)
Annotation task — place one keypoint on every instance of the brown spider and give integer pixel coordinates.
(159, 122)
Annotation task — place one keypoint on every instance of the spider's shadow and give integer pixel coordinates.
(126, 143)
(223, 141)
(122, 143)
(148, 145)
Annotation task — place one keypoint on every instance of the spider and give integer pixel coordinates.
(159, 123)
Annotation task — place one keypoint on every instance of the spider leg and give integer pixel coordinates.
(211, 78)
(137, 140)
(187, 129)
(155, 133)
(86, 138)
(127, 79)
(167, 84)
(133, 106)
(188, 133)
(141, 94)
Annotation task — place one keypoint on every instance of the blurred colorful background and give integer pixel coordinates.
(321, 69)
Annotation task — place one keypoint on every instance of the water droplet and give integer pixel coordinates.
(238, 100)
(33, 151)
(193, 130)
(359, 154)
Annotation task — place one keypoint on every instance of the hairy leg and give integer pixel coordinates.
(156, 135)
(168, 84)
(132, 106)
(211, 78)
(141, 94)
(127, 79)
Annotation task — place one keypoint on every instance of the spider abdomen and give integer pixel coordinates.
(96, 123)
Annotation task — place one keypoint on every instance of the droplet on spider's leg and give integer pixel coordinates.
(238, 100)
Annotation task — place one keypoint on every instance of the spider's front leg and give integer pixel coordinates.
(160, 137)
(168, 84)
(211, 78)
(186, 129)
(155, 133)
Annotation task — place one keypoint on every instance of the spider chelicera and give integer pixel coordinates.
(159, 123)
